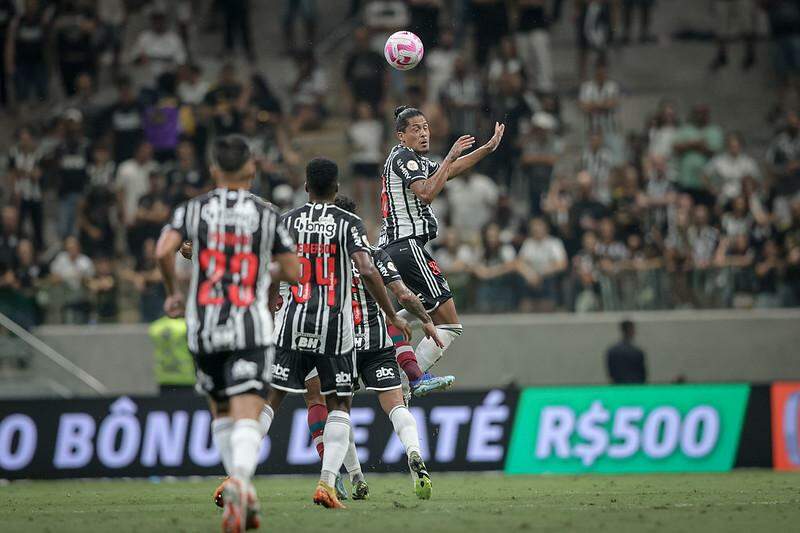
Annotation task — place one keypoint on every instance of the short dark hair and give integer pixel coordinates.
(230, 152)
(626, 327)
(346, 203)
(322, 176)
(403, 114)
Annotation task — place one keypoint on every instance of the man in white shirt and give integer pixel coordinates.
(159, 48)
(133, 181)
(472, 198)
(727, 170)
(540, 260)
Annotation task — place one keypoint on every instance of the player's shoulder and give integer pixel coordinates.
(340, 213)
(295, 211)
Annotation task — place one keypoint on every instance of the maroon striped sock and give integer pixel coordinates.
(406, 357)
(317, 415)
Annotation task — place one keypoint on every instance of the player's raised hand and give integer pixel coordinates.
(186, 249)
(464, 142)
(494, 142)
(401, 324)
(430, 332)
(174, 305)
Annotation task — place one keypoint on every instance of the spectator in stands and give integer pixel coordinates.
(75, 28)
(366, 138)
(425, 20)
(25, 171)
(25, 51)
(726, 171)
(541, 261)
(599, 100)
(662, 132)
(186, 178)
(495, 269)
(29, 276)
(659, 193)
(151, 214)
(69, 273)
(738, 221)
(703, 239)
(146, 278)
(533, 42)
(237, 25)
(610, 251)
(586, 210)
(491, 24)
(306, 10)
(784, 22)
(192, 87)
(792, 276)
(695, 143)
(643, 7)
(111, 16)
(133, 181)
(462, 98)
(504, 65)
(8, 10)
(95, 221)
(158, 48)
(72, 162)
(511, 104)
(9, 234)
(783, 164)
(162, 121)
(598, 162)
(583, 283)
(365, 72)
(593, 30)
(472, 198)
(308, 93)
(103, 288)
(440, 63)
(736, 19)
(625, 362)
(770, 270)
(540, 152)
(102, 170)
(123, 121)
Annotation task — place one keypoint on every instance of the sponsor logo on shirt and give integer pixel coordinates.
(323, 226)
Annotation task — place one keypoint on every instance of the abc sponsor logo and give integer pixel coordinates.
(384, 373)
(344, 378)
(280, 372)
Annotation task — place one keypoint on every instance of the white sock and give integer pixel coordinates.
(351, 462)
(336, 439)
(265, 419)
(406, 428)
(428, 354)
(245, 442)
(221, 429)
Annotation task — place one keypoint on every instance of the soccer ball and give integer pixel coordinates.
(403, 50)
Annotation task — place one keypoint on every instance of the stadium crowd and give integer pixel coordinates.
(679, 213)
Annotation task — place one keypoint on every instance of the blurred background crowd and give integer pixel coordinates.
(612, 190)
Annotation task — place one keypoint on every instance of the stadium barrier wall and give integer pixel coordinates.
(497, 350)
(170, 435)
(786, 425)
(575, 430)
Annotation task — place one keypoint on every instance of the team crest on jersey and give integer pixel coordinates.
(307, 341)
(359, 341)
(323, 226)
(412, 165)
(242, 214)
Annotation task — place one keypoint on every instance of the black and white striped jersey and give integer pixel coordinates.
(370, 324)
(234, 236)
(405, 215)
(317, 313)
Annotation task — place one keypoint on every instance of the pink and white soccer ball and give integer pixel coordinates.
(403, 50)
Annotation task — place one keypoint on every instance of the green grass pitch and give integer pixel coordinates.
(740, 501)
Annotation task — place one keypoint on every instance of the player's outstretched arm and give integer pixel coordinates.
(413, 305)
(372, 279)
(168, 243)
(428, 189)
(468, 161)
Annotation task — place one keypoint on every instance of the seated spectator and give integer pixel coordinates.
(659, 193)
(494, 270)
(541, 260)
(69, 272)
(30, 276)
(152, 213)
(540, 152)
(737, 221)
(25, 171)
(726, 171)
(584, 285)
(611, 252)
(132, 181)
(365, 72)
(146, 278)
(308, 93)
(192, 88)
(586, 210)
(472, 198)
(102, 289)
(95, 224)
(695, 143)
(158, 48)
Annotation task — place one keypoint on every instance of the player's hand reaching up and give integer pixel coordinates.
(430, 332)
(401, 324)
(494, 142)
(464, 142)
(174, 305)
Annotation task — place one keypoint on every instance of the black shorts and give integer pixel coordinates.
(292, 368)
(225, 374)
(378, 370)
(420, 272)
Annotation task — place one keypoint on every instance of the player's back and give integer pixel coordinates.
(317, 313)
(234, 235)
(368, 319)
